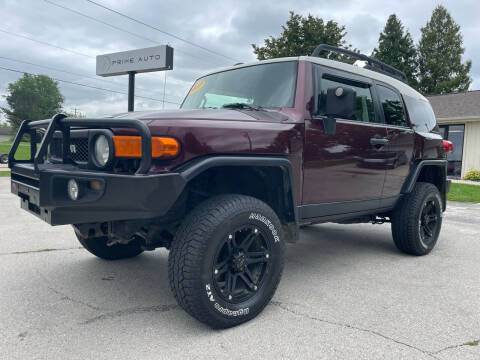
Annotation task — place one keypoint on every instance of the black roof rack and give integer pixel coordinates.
(372, 64)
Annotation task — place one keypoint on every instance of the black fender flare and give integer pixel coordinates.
(415, 172)
(191, 169)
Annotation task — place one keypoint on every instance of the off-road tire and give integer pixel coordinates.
(98, 247)
(406, 220)
(191, 261)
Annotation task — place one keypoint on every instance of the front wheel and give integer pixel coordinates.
(417, 220)
(3, 158)
(98, 247)
(226, 260)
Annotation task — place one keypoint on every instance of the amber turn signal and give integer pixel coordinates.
(131, 147)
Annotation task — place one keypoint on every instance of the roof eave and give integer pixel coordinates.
(461, 119)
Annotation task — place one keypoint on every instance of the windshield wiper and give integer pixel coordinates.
(241, 106)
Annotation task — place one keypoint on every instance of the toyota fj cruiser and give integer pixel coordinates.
(255, 151)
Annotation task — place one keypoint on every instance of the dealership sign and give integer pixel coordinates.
(155, 58)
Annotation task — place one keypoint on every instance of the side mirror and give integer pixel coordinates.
(329, 125)
(341, 102)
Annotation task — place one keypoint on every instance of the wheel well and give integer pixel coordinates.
(266, 183)
(432, 174)
(435, 175)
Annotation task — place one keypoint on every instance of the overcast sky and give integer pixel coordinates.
(227, 27)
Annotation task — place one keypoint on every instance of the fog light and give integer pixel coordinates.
(96, 185)
(73, 189)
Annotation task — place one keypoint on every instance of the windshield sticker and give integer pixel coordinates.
(197, 87)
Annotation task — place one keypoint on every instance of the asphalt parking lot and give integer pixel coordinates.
(346, 293)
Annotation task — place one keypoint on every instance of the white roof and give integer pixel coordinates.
(399, 85)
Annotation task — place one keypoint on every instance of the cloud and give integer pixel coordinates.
(227, 27)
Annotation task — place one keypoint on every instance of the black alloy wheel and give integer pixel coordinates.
(429, 220)
(241, 264)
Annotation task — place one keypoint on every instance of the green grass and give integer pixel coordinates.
(464, 193)
(23, 151)
(472, 343)
(4, 173)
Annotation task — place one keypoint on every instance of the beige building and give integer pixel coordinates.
(458, 116)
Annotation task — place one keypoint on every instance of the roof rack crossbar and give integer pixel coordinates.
(373, 64)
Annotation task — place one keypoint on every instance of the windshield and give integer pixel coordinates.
(265, 85)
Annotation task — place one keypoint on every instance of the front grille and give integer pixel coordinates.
(81, 149)
(78, 149)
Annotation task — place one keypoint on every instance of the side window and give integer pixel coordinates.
(392, 106)
(421, 114)
(364, 110)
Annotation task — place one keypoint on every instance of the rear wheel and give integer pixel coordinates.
(226, 260)
(417, 220)
(98, 247)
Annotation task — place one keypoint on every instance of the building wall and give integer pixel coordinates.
(471, 147)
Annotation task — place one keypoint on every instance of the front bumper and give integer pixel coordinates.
(119, 197)
(42, 186)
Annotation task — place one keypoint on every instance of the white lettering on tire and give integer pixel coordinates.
(222, 310)
(267, 222)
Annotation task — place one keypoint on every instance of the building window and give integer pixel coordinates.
(455, 134)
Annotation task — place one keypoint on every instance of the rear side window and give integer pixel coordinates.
(364, 111)
(421, 114)
(392, 106)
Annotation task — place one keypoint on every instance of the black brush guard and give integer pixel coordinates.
(42, 187)
(62, 123)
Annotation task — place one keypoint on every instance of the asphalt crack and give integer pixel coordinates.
(68, 298)
(353, 327)
(65, 296)
(39, 251)
(469, 343)
(135, 310)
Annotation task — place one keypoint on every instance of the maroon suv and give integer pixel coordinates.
(256, 151)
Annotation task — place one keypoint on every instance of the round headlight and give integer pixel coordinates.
(73, 189)
(101, 150)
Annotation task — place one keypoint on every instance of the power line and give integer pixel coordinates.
(100, 21)
(117, 28)
(45, 43)
(63, 71)
(55, 69)
(88, 86)
(162, 31)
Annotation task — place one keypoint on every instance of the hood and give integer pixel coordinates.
(219, 131)
(208, 114)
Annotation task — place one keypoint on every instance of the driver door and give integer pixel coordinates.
(343, 172)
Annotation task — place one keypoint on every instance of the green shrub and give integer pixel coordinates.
(473, 175)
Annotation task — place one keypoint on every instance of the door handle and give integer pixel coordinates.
(377, 142)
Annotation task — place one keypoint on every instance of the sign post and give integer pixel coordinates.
(157, 58)
(131, 90)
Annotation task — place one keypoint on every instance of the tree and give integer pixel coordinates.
(32, 97)
(440, 56)
(396, 48)
(300, 36)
